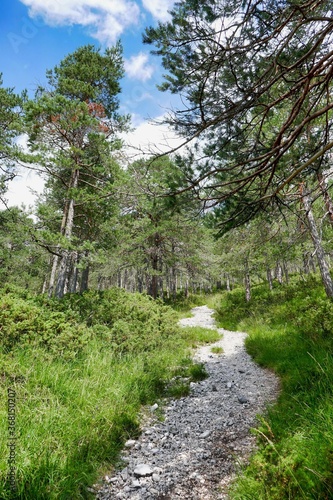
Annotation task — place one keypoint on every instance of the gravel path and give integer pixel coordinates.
(194, 453)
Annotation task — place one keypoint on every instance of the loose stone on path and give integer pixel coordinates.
(193, 454)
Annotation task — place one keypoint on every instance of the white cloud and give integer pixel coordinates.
(146, 140)
(24, 189)
(27, 184)
(106, 20)
(137, 67)
(150, 139)
(159, 8)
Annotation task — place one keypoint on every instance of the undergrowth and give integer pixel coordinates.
(81, 368)
(291, 332)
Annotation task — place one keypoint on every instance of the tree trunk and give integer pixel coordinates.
(269, 278)
(285, 271)
(247, 282)
(85, 274)
(53, 274)
(68, 221)
(140, 283)
(228, 283)
(327, 199)
(186, 289)
(72, 282)
(323, 266)
(154, 259)
(279, 273)
(306, 263)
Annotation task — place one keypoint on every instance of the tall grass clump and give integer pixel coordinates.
(291, 332)
(80, 368)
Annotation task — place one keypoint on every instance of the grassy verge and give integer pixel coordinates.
(291, 332)
(80, 369)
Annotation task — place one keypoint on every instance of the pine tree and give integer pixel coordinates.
(73, 128)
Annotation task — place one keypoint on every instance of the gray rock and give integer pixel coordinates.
(130, 443)
(205, 434)
(242, 399)
(136, 484)
(143, 470)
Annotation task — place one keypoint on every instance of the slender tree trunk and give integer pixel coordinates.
(279, 273)
(323, 266)
(84, 279)
(100, 281)
(269, 278)
(228, 283)
(186, 289)
(53, 274)
(285, 271)
(44, 288)
(247, 282)
(312, 264)
(85, 274)
(72, 282)
(119, 279)
(306, 263)
(126, 279)
(153, 289)
(161, 287)
(327, 199)
(68, 229)
(155, 262)
(140, 283)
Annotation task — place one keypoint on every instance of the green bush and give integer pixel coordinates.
(26, 324)
(125, 322)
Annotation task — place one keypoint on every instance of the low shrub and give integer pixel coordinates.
(25, 324)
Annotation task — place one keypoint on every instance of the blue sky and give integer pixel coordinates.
(35, 35)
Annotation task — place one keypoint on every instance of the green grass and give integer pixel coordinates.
(195, 335)
(291, 332)
(216, 350)
(75, 409)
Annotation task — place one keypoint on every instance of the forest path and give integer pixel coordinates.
(195, 451)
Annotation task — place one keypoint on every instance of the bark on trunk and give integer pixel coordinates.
(85, 275)
(53, 274)
(228, 283)
(84, 279)
(73, 273)
(68, 222)
(154, 259)
(323, 266)
(269, 278)
(247, 282)
(286, 272)
(306, 263)
(186, 289)
(327, 199)
(279, 273)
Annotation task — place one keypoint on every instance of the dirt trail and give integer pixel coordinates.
(195, 451)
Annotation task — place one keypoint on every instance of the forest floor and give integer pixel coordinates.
(196, 449)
